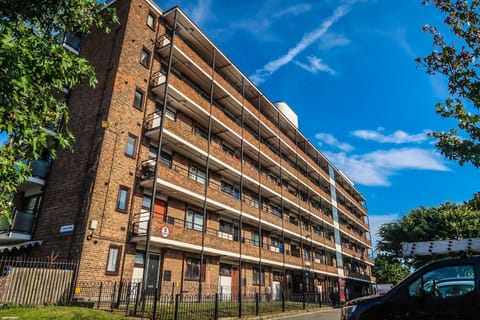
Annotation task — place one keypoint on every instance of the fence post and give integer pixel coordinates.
(240, 305)
(283, 302)
(137, 298)
(216, 307)
(155, 300)
(119, 296)
(177, 302)
(257, 304)
(99, 294)
(304, 297)
(129, 292)
(112, 301)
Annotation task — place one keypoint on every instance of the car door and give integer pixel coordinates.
(444, 293)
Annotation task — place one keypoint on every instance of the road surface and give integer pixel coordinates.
(330, 314)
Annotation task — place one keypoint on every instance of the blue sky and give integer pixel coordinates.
(347, 69)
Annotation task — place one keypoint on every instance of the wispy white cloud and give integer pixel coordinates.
(331, 40)
(400, 36)
(397, 137)
(259, 23)
(330, 140)
(314, 65)
(201, 11)
(293, 10)
(261, 75)
(376, 221)
(375, 168)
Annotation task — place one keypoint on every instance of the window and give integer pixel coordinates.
(444, 282)
(145, 58)
(197, 175)
(146, 202)
(255, 239)
(152, 152)
(72, 41)
(113, 261)
(293, 220)
(228, 230)
(225, 270)
(166, 159)
(230, 189)
(275, 210)
(151, 21)
(258, 277)
(171, 114)
(274, 179)
(304, 225)
(193, 271)
(254, 202)
(276, 245)
(194, 220)
(138, 100)
(306, 254)
(122, 199)
(139, 259)
(318, 257)
(228, 150)
(199, 132)
(131, 146)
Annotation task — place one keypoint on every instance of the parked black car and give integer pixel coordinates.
(444, 289)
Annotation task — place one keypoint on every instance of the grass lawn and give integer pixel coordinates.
(47, 313)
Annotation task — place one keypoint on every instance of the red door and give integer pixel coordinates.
(159, 210)
(234, 281)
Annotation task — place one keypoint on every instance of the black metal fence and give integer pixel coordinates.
(51, 282)
(170, 303)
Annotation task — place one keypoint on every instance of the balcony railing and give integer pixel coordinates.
(22, 222)
(39, 168)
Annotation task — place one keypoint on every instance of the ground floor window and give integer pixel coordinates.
(258, 277)
(193, 270)
(113, 261)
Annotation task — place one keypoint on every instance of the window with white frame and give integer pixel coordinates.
(151, 21)
(255, 238)
(194, 220)
(171, 114)
(197, 174)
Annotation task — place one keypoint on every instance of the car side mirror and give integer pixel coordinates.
(420, 292)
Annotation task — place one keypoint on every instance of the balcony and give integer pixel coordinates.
(20, 229)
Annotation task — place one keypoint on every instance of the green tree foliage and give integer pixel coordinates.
(455, 56)
(388, 270)
(35, 67)
(445, 222)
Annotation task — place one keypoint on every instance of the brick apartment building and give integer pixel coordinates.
(180, 155)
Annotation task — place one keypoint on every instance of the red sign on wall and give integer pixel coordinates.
(165, 232)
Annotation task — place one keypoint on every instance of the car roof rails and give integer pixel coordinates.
(461, 247)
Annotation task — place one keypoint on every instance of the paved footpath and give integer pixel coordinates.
(322, 314)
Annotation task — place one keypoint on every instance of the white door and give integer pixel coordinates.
(277, 291)
(225, 287)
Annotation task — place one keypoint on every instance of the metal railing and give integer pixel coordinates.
(193, 300)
